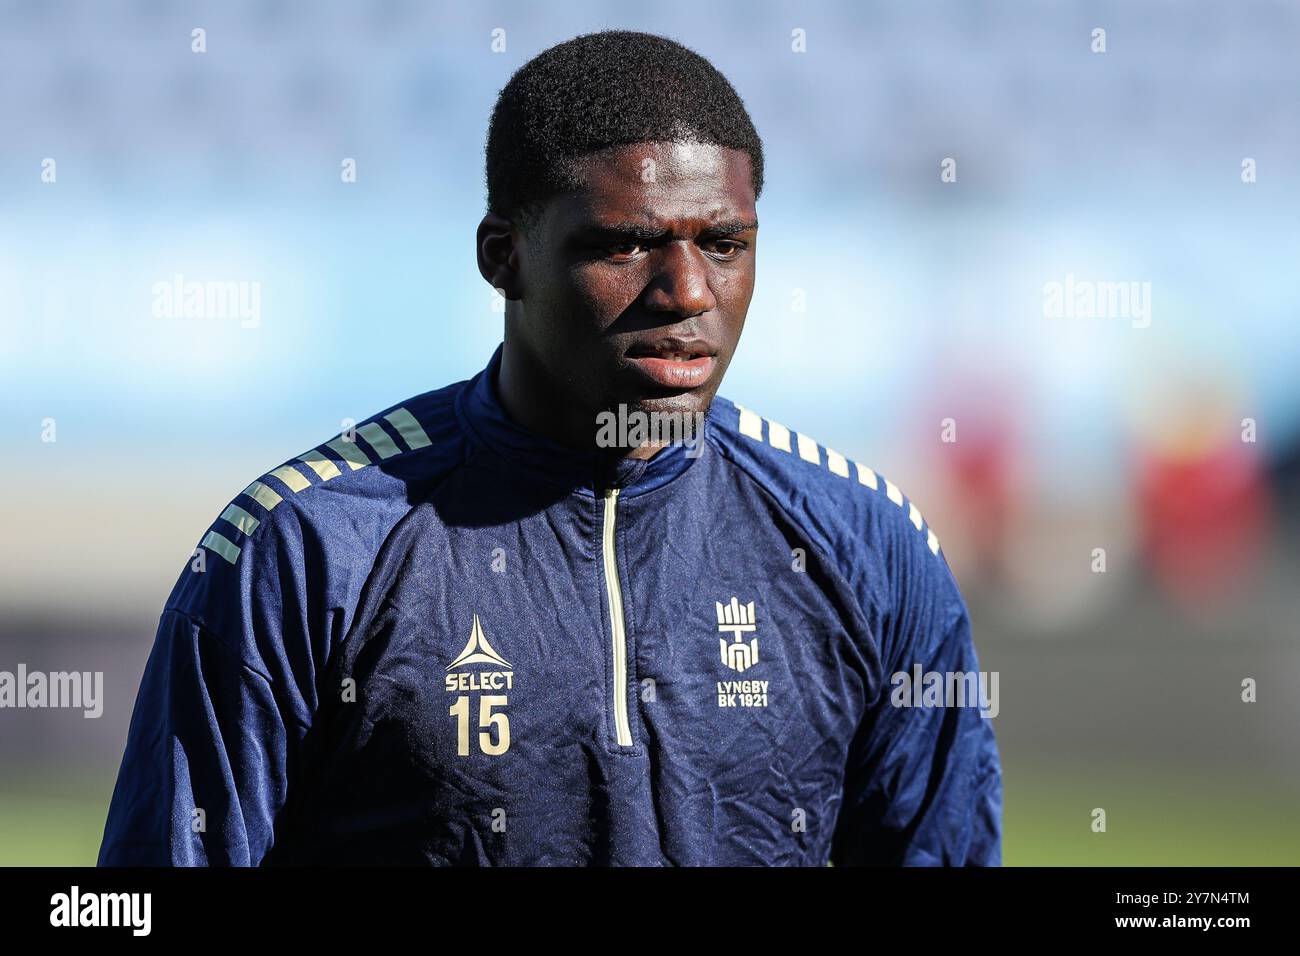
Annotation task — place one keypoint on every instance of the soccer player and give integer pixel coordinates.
(500, 624)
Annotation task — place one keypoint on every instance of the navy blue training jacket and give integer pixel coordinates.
(447, 640)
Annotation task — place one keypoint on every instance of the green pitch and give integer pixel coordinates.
(1158, 818)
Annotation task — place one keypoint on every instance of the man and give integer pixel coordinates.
(497, 626)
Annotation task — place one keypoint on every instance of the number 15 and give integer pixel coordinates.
(460, 710)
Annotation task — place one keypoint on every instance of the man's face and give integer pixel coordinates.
(635, 287)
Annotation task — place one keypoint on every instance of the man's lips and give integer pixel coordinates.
(674, 372)
(674, 363)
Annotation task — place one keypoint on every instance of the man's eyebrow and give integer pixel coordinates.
(730, 227)
(641, 231)
(626, 230)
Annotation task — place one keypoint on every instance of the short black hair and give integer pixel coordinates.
(601, 90)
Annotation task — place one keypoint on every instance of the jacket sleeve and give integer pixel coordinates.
(226, 698)
(923, 785)
(205, 767)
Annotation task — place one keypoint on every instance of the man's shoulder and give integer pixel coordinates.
(331, 505)
(868, 528)
(811, 477)
(874, 533)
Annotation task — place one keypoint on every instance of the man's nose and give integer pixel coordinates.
(681, 285)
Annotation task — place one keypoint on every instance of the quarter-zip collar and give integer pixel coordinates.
(479, 408)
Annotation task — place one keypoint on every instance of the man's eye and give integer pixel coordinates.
(624, 250)
(726, 248)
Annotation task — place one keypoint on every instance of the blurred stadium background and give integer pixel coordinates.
(924, 301)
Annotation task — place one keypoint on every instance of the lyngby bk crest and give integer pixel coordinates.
(737, 619)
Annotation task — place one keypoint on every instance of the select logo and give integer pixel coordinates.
(102, 909)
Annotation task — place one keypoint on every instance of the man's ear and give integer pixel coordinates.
(498, 256)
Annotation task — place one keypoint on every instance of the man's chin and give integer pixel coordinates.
(655, 419)
(684, 403)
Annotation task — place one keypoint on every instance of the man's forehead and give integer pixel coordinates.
(648, 183)
(661, 162)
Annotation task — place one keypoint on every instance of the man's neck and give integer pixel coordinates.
(532, 401)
